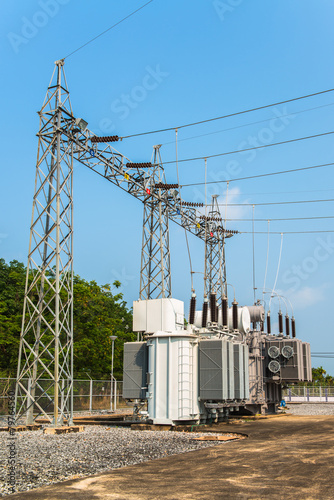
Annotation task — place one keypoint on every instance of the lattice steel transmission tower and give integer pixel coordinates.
(215, 268)
(45, 367)
(155, 276)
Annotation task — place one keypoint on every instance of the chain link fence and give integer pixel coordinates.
(313, 394)
(88, 395)
(91, 396)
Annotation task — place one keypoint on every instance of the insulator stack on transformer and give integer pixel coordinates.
(217, 311)
(139, 165)
(192, 309)
(107, 138)
(205, 313)
(213, 307)
(192, 204)
(268, 323)
(287, 325)
(235, 315)
(293, 327)
(280, 322)
(225, 312)
(161, 185)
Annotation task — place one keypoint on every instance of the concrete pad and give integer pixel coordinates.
(219, 438)
(287, 458)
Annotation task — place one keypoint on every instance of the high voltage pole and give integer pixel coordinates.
(215, 266)
(155, 276)
(45, 366)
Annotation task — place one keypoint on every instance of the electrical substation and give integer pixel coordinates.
(222, 360)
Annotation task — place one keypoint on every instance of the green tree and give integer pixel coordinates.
(12, 282)
(320, 377)
(97, 314)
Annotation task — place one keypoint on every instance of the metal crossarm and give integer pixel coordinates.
(140, 182)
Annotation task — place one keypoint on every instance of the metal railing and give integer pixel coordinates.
(88, 395)
(314, 394)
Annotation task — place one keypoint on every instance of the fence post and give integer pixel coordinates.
(289, 394)
(326, 394)
(320, 392)
(115, 394)
(62, 401)
(90, 396)
(308, 394)
(29, 392)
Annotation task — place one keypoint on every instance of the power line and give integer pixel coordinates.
(275, 203)
(248, 124)
(281, 219)
(260, 175)
(330, 356)
(287, 232)
(288, 192)
(111, 27)
(229, 115)
(253, 148)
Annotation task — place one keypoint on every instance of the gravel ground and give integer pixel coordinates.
(44, 459)
(310, 408)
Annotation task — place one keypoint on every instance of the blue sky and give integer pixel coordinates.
(170, 64)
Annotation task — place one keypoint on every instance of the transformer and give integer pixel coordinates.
(201, 374)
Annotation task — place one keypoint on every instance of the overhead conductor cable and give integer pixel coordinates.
(193, 296)
(278, 266)
(267, 259)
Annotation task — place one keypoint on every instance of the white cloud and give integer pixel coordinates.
(308, 296)
(233, 196)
